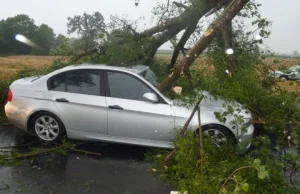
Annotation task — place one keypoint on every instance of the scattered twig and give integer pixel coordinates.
(85, 152)
(230, 177)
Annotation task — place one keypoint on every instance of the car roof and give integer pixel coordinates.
(294, 67)
(134, 69)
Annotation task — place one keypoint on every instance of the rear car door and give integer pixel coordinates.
(131, 116)
(79, 97)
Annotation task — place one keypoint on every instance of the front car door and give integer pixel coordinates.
(130, 115)
(79, 98)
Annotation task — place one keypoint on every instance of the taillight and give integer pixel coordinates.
(9, 95)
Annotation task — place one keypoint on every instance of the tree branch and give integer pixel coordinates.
(163, 14)
(84, 54)
(180, 5)
(180, 45)
(129, 26)
(217, 7)
(165, 25)
(229, 13)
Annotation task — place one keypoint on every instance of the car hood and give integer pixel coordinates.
(215, 104)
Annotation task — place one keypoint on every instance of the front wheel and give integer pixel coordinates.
(48, 127)
(219, 135)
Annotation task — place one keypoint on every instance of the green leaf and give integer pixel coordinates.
(224, 191)
(237, 178)
(245, 187)
(263, 174)
(256, 162)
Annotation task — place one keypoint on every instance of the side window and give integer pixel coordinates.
(77, 81)
(58, 83)
(83, 82)
(125, 86)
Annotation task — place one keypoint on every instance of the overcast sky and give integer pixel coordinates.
(284, 14)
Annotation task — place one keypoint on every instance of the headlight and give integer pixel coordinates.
(247, 122)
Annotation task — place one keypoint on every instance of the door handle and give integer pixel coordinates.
(115, 107)
(61, 100)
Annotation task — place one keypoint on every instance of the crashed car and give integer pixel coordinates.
(114, 104)
(292, 73)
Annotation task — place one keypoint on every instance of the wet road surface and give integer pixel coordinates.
(121, 169)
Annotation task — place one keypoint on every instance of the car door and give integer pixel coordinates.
(79, 98)
(130, 115)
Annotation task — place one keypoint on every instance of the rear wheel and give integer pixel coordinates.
(48, 127)
(283, 78)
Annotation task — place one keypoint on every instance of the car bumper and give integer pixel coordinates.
(16, 115)
(244, 141)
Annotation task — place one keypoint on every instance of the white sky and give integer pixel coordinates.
(284, 14)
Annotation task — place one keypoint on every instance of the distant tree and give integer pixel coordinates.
(58, 40)
(45, 39)
(295, 53)
(61, 46)
(88, 27)
(22, 24)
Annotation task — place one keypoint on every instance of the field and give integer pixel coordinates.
(10, 64)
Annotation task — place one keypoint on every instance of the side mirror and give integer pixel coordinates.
(151, 97)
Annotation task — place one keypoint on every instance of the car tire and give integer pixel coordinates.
(283, 78)
(219, 134)
(48, 127)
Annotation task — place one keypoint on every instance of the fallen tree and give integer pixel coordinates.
(229, 13)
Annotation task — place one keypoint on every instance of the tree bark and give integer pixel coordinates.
(180, 45)
(229, 13)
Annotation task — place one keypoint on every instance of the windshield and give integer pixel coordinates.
(150, 77)
(295, 68)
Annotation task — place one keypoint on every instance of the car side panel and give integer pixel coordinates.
(81, 135)
(140, 120)
(27, 102)
(83, 112)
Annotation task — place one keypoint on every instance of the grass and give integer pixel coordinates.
(10, 64)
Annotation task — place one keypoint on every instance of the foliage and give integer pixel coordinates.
(62, 47)
(223, 171)
(241, 77)
(88, 27)
(18, 157)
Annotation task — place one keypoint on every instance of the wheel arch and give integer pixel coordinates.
(30, 118)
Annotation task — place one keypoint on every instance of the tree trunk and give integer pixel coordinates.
(229, 13)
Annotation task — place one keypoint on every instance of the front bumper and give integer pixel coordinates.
(16, 115)
(244, 141)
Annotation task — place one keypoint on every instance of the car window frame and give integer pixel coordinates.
(101, 80)
(107, 88)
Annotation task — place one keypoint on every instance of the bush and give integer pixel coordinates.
(257, 172)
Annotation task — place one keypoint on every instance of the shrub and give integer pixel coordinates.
(257, 172)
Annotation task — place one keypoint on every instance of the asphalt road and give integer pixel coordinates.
(121, 169)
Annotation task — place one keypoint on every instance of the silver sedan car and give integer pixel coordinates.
(113, 104)
(292, 73)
